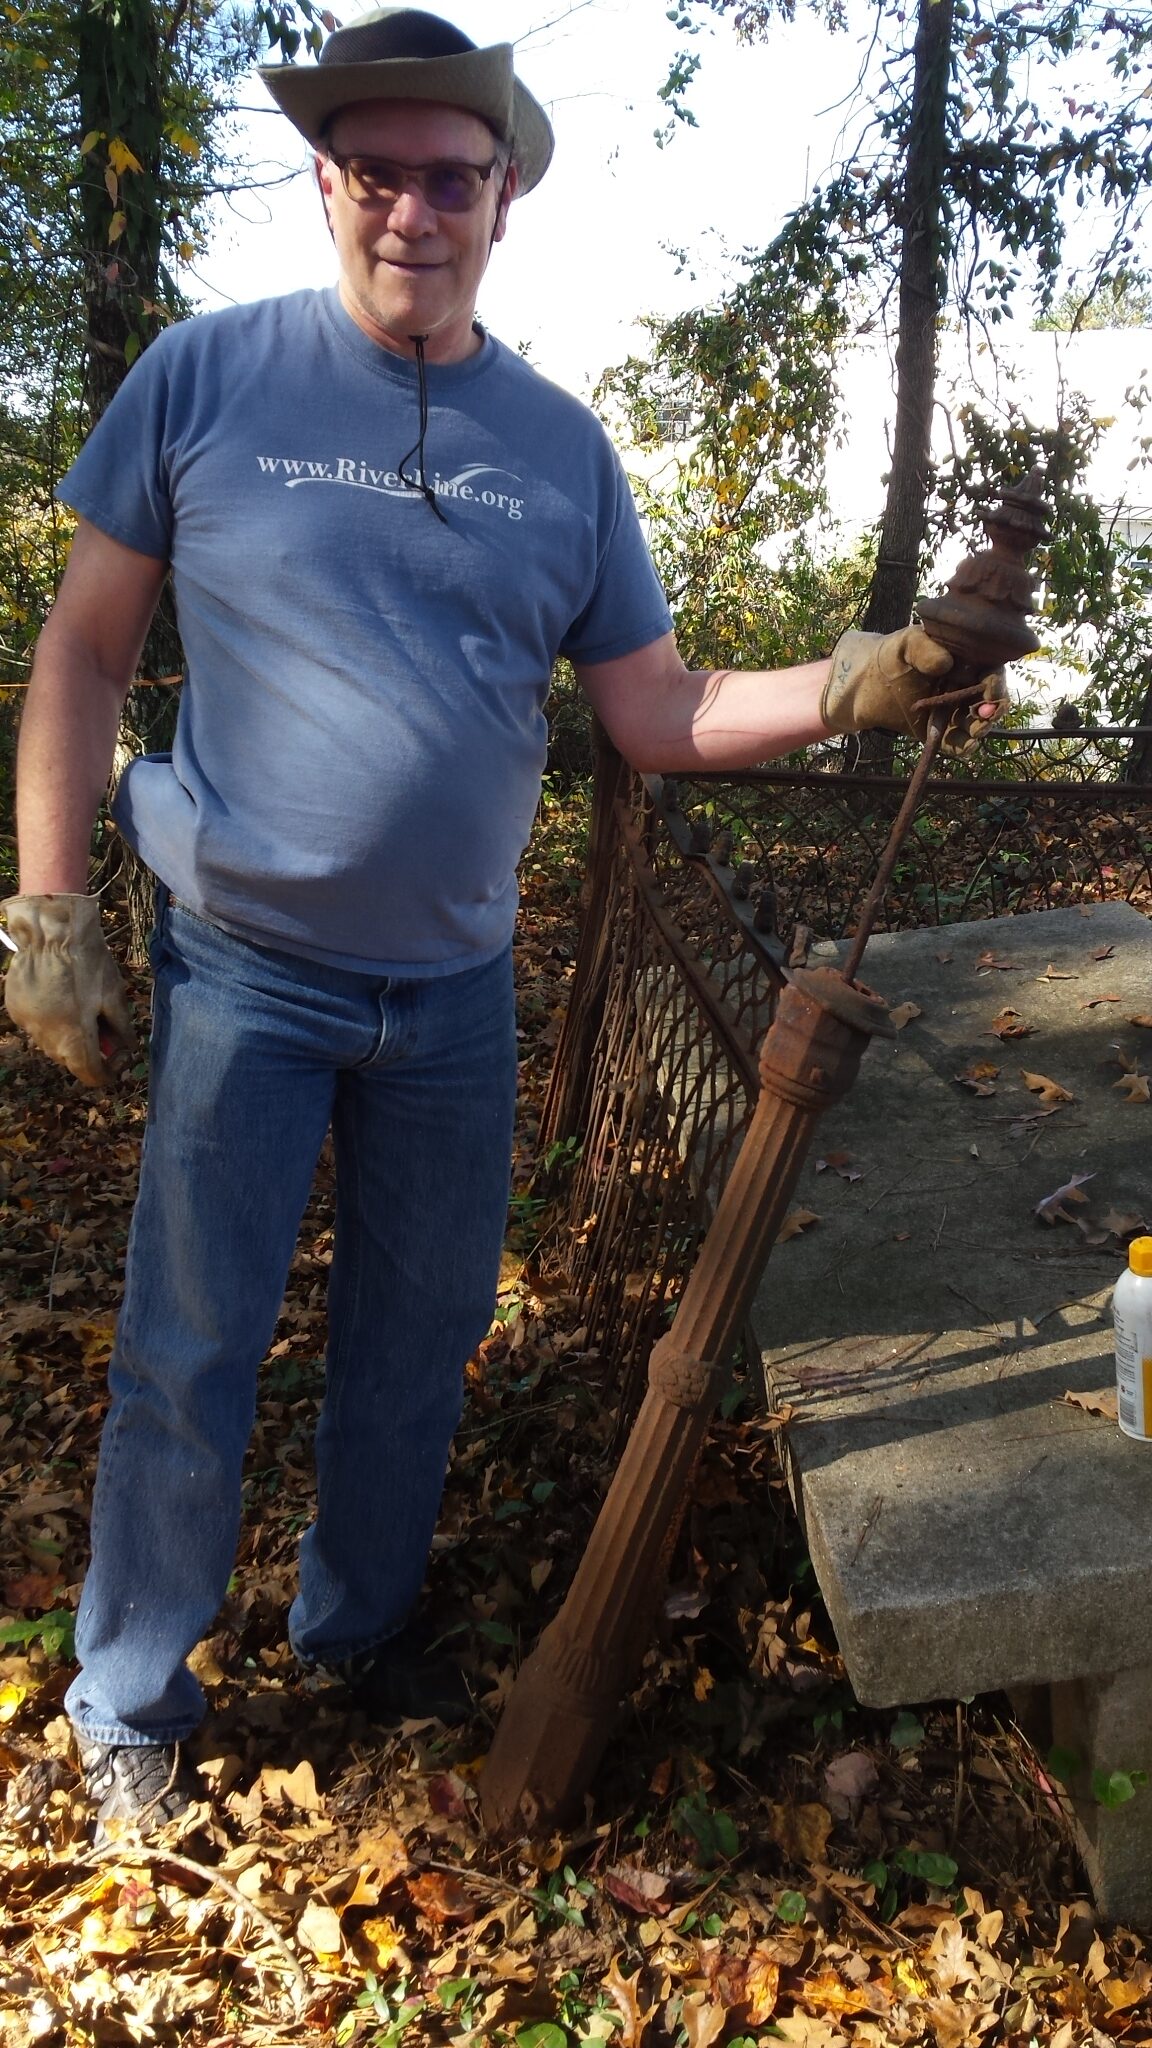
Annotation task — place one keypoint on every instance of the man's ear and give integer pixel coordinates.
(322, 167)
(508, 189)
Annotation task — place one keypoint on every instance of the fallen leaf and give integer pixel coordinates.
(624, 1993)
(800, 1830)
(293, 1788)
(36, 1590)
(1052, 1205)
(1103, 953)
(852, 1775)
(989, 964)
(903, 1014)
(1103, 1403)
(319, 1929)
(1054, 974)
(1008, 1023)
(1050, 1092)
(702, 2020)
(440, 1897)
(386, 1940)
(1135, 1086)
(830, 1993)
(643, 1891)
(795, 1221)
(1094, 1001)
(1145, 1023)
(383, 1849)
(943, 958)
(761, 1986)
(841, 1163)
(980, 1077)
(1120, 1222)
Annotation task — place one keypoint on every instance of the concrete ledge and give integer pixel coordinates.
(969, 1529)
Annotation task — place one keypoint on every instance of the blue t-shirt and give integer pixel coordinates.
(361, 733)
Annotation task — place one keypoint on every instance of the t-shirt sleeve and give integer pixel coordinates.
(120, 479)
(627, 608)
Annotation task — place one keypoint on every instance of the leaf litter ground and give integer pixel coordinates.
(760, 1859)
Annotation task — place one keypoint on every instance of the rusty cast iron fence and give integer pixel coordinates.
(697, 897)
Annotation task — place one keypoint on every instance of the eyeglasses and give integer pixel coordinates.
(448, 187)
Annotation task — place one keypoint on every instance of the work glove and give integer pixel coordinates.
(876, 678)
(63, 987)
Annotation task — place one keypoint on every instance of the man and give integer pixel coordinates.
(382, 529)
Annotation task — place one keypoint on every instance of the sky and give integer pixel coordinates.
(589, 249)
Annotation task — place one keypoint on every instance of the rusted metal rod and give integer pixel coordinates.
(891, 853)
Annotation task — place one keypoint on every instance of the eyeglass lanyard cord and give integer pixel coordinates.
(420, 481)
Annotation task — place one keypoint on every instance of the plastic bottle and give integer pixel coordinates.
(1132, 1315)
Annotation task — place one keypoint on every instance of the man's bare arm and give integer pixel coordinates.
(85, 661)
(668, 719)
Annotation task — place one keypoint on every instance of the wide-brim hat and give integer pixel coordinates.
(401, 53)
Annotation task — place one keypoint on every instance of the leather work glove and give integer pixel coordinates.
(876, 678)
(63, 987)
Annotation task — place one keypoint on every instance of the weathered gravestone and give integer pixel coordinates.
(971, 1530)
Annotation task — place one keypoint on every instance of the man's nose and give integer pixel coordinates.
(410, 214)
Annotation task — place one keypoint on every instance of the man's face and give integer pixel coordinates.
(404, 268)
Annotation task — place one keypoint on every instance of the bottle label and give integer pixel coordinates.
(1133, 1380)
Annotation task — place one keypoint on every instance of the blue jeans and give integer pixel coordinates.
(254, 1055)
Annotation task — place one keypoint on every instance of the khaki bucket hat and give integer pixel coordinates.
(402, 53)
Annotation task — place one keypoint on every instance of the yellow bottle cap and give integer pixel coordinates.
(1140, 1257)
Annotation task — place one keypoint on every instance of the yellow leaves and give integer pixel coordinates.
(830, 1994)
(12, 1698)
(121, 157)
(93, 136)
(185, 251)
(32, 238)
(186, 143)
(96, 1340)
(385, 1940)
(116, 226)
(909, 1978)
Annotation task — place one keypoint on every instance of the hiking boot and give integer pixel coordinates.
(145, 1785)
(411, 1677)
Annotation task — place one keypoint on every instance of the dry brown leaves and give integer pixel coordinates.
(747, 1863)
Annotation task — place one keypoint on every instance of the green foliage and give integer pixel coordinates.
(712, 1830)
(55, 1633)
(940, 1871)
(749, 387)
(1124, 300)
(1115, 1788)
(791, 1908)
(388, 2003)
(1042, 118)
(1095, 597)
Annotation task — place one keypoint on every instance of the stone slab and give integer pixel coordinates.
(970, 1530)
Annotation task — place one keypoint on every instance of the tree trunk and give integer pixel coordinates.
(121, 63)
(922, 283)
